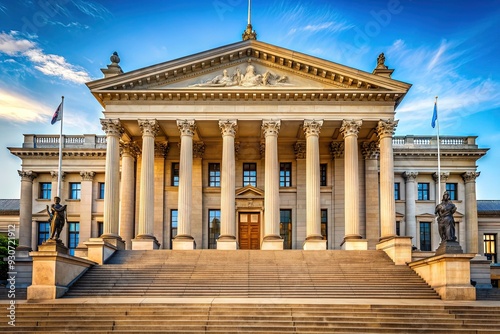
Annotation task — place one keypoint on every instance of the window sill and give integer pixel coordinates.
(72, 200)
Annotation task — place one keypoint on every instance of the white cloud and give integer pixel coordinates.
(49, 64)
(22, 109)
(92, 9)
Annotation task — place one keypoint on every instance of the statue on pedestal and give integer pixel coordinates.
(57, 218)
(446, 223)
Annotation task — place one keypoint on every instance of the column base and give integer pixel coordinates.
(314, 243)
(399, 249)
(183, 242)
(355, 244)
(145, 243)
(272, 242)
(227, 242)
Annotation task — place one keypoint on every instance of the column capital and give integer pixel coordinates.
(198, 149)
(370, 150)
(130, 147)
(161, 149)
(337, 149)
(312, 127)
(271, 127)
(350, 127)
(55, 174)
(27, 175)
(470, 176)
(410, 176)
(186, 127)
(386, 128)
(228, 127)
(112, 127)
(300, 149)
(149, 127)
(87, 175)
(444, 176)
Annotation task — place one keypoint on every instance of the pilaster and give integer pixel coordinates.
(25, 212)
(371, 152)
(410, 205)
(85, 210)
(471, 223)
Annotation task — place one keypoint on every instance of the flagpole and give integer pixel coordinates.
(439, 155)
(59, 170)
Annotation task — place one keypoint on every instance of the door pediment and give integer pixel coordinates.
(249, 191)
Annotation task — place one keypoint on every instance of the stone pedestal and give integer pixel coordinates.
(272, 244)
(355, 244)
(314, 244)
(99, 250)
(145, 244)
(449, 247)
(227, 243)
(448, 274)
(480, 272)
(398, 249)
(54, 271)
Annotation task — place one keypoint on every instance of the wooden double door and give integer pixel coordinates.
(249, 230)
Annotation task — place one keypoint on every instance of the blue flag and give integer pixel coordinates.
(434, 115)
(57, 115)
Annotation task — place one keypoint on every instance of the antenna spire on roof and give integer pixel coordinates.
(249, 33)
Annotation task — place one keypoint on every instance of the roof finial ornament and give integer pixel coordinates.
(249, 33)
(113, 68)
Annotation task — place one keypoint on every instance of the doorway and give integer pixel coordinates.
(249, 230)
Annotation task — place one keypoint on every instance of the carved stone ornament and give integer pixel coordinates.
(237, 146)
(161, 149)
(149, 127)
(381, 61)
(350, 127)
(198, 149)
(54, 175)
(300, 149)
(131, 148)
(249, 33)
(410, 176)
(444, 176)
(186, 127)
(27, 175)
(470, 176)
(112, 127)
(87, 175)
(262, 149)
(228, 127)
(337, 149)
(271, 128)
(386, 128)
(312, 127)
(370, 150)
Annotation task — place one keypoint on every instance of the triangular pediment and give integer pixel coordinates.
(249, 67)
(249, 191)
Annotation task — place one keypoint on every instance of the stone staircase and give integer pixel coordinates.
(111, 317)
(254, 274)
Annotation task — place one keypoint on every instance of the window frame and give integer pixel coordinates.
(397, 191)
(323, 175)
(452, 192)
(490, 244)
(324, 225)
(75, 193)
(249, 174)
(213, 232)
(43, 235)
(285, 174)
(45, 193)
(427, 242)
(214, 174)
(172, 221)
(423, 191)
(286, 233)
(174, 179)
(73, 236)
(101, 188)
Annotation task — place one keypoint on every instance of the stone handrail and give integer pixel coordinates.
(69, 141)
(431, 141)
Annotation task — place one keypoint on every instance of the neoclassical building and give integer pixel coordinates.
(249, 146)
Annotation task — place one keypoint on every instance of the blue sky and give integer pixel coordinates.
(446, 48)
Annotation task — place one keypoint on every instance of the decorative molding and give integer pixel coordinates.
(54, 175)
(161, 149)
(350, 127)
(271, 128)
(370, 150)
(186, 127)
(300, 149)
(410, 176)
(337, 149)
(130, 147)
(386, 128)
(87, 175)
(444, 177)
(27, 175)
(149, 127)
(470, 176)
(112, 127)
(312, 127)
(198, 149)
(228, 127)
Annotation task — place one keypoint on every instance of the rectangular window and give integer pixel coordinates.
(250, 174)
(451, 188)
(398, 228)
(173, 223)
(423, 192)
(285, 174)
(425, 236)
(101, 190)
(75, 190)
(43, 232)
(214, 175)
(286, 228)
(324, 224)
(490, 246)
(45, 190)
(213, 228)
(397, 191)
(322, 174)
(175, 174)
(100, 229)
(73, 236)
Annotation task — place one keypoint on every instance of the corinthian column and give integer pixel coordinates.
(25, 212)
(184, 240)
(410, 205)
(314, 239)
(471, 224)
(385, 130)
(350, 130)
(227, 239)
(371, 152)
(272, 239)
(113, 130)
(145, 238)
(127, 201)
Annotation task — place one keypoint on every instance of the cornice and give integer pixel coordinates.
(23, 153)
